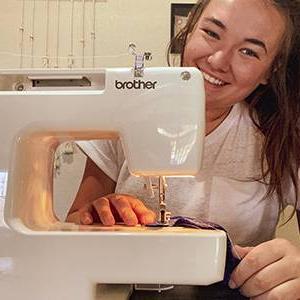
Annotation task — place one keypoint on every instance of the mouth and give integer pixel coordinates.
(213, 80)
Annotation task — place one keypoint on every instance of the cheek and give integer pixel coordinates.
(195, 48)
(249, 76)
(189, 55)
(185, 61)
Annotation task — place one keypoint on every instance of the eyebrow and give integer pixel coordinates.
(254, 41)
(257, 43)
(216, 22)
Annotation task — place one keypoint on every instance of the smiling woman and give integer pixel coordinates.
(248, 52)
(252, 59)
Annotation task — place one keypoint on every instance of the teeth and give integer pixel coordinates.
(213, 80)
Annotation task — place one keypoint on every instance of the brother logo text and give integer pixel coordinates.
(135, 84)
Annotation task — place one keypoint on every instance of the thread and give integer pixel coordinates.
(57, 33)
(46, 59)
(93, 34)
(32, 34)
(71, 58)
(83, 34)
(22, 29)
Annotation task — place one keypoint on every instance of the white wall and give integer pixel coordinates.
(117, 23)
(289, 230)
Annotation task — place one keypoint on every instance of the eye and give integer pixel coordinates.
(249, 52)
(211, 33)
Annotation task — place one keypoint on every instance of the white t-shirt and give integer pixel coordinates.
(224, 192)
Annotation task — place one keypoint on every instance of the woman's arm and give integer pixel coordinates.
(298, 218)
(94, 184)
(96, 202)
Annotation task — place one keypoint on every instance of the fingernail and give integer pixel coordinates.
(147, 219)
(130, 219)
(87, 220)
(108, 220)
(232, 284)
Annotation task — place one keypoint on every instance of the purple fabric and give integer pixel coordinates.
(180, 221)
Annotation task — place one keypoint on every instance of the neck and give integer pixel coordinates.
(215, 117)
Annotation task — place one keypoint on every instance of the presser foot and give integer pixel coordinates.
(163, 220)
(164, 217)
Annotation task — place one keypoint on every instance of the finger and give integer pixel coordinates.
(259, 257)
(241, 252)
(103, 210)
(86, 218)
(289, 290)
(81, 216)
(74, 217)
(124, 209)
(270, 277)
(145, 215)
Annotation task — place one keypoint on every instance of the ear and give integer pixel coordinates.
(275, 68)
(265, 80)
(266, 76)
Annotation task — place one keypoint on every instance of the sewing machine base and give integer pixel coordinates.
(68, 265)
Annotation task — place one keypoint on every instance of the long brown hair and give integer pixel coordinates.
(275, 107)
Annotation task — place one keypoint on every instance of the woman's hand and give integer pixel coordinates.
(270, 270)
(113, 208)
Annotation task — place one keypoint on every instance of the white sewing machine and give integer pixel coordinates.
(160, 120)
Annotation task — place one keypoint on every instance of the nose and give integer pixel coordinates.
(220, 60)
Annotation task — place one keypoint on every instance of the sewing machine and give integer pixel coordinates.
(160, 120)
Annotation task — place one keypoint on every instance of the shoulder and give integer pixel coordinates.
(102, 146)
(242, 112)
(244, 124)
(234, 148)
(238, 126)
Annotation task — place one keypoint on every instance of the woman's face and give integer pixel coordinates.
(234, 44)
